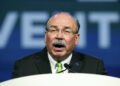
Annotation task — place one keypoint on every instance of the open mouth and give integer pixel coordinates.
(59, 45)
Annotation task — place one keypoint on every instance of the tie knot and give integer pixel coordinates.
(59, 67)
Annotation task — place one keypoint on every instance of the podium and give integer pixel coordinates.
(73, 79)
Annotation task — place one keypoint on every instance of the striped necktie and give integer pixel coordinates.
(59, 67)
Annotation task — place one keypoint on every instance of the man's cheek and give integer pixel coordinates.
(69, 40)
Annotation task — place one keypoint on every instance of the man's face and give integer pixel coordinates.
(61, 38)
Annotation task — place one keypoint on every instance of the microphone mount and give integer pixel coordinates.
(68, 67)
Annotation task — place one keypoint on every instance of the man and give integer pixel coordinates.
(58, 56)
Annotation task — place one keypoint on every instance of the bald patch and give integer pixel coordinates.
(63, 15)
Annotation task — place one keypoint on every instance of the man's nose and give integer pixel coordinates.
(60, 34)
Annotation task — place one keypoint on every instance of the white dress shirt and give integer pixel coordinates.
(53, 63)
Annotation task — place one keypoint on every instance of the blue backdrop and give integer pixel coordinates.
(22, 30)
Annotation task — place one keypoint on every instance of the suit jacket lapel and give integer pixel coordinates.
(76, 63)
(43, 65)
(42, 62)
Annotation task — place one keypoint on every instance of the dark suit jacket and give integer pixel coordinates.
(39, 64)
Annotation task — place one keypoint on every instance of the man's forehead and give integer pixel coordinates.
(61, 15)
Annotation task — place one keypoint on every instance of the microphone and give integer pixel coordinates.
(68, 67)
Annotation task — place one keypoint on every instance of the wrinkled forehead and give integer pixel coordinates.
(62, 17)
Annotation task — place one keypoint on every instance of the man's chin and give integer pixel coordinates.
(59, 54)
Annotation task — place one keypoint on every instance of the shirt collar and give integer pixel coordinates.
(53, 62)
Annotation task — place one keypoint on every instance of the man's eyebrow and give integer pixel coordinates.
(67, 27)
(52, 26)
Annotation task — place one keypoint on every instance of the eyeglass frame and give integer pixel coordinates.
(56, 30)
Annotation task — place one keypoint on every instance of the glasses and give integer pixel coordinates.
(66, 31)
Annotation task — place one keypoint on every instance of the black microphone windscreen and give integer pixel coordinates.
(67, 66)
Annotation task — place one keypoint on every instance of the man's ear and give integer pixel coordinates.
(77, 39)
(45, 36)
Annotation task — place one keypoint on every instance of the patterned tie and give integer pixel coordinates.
(59, 67)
